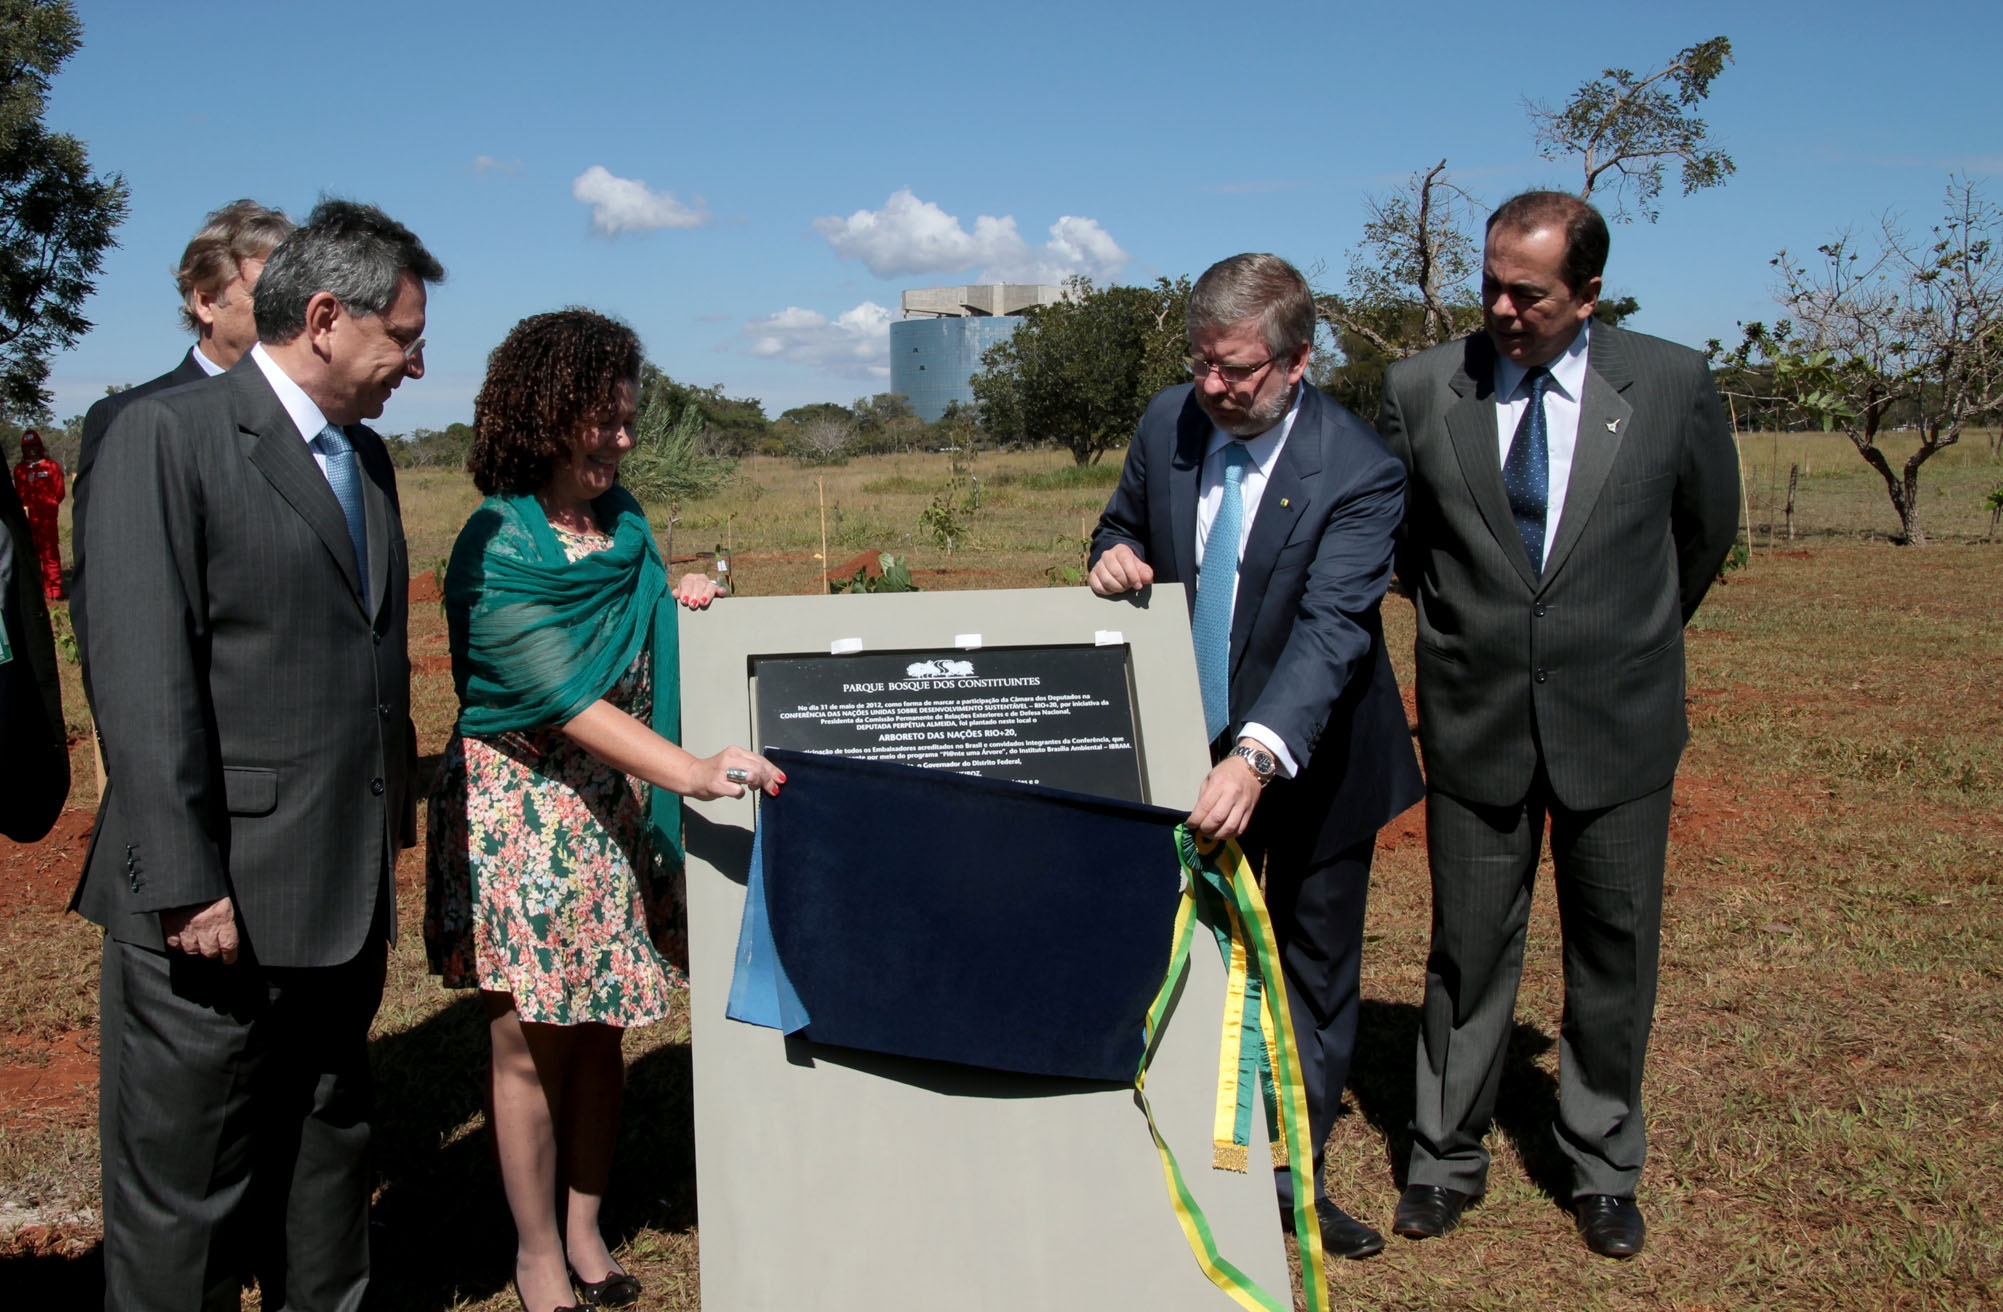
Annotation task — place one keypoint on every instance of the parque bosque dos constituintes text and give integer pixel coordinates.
(1056, 716)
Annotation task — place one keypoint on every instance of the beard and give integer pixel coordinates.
(1247, 421)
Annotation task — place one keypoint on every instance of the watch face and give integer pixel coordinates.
(1262, 762)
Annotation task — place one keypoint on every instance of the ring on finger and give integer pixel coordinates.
(737, 775)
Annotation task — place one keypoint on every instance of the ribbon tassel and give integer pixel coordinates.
(1220, 891)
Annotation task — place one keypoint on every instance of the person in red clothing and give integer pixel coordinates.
(39, 481)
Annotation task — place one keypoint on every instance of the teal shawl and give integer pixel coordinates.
(536, 637)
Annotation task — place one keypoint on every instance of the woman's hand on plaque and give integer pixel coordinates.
(696, 591)
(733, 772)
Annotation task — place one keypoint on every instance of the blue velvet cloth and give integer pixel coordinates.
(944, 916)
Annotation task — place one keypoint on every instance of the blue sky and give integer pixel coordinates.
(752, 184)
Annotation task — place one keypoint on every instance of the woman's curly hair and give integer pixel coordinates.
(549, 373)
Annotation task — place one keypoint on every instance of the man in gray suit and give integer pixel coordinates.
(1574, 489)
(249, 665)
(216, 278)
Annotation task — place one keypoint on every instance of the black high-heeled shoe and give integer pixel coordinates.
(516, 1282)
(620, 1289)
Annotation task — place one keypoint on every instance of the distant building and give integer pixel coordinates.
(935, 350)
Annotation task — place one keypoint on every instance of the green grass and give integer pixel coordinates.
(1826, 1076)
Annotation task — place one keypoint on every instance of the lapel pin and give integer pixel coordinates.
(1284, 503)
(1613, 425)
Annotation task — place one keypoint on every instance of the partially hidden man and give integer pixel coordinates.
(1574, 490)
(1279, 508)
(249, 667)
(217, 278)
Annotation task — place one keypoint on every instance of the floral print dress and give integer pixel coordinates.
(540, 877)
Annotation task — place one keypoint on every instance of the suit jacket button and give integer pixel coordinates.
(1540, 676)
(382, 709)
(376, 787)
(1538, 610)
(378, 638)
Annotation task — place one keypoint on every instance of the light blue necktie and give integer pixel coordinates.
(1526, 470)
(1216, 582)
(346, 481)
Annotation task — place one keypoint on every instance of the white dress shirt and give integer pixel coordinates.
(1561, 419)
(209, 367)
(306, 416)
(1265, 453)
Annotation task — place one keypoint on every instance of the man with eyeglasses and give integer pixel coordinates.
(1277, 507)
(247, 643)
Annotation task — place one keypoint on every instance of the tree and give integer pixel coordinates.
(1079, 373)
(1631, 127)
(1896, 328)
(56, 217)
(885, 422)
(667, 465)
(1408, 286)
(732, 425)
(825, 439)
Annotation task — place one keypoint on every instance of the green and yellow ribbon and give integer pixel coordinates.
(1257, 1052)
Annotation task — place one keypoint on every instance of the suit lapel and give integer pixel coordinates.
(1471, 425)
(1192, 434)
(1604, 416)
(1288, 492)
(376, 512)
(280, 454)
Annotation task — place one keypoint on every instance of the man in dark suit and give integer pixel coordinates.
(1574, 489)
(1255, 486)
(250, 670)
(216, 279)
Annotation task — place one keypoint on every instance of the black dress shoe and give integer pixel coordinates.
(1610, 1225)
(1427, 1211)
(1342, 1235)
(616, 1290)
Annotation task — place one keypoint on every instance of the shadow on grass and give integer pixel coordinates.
(1380, 1084)
(440, 1231)
(440, 1228)
(47, 1280)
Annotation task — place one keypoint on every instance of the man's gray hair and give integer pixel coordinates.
(352, 251)
(1255, 286)
(239, 231)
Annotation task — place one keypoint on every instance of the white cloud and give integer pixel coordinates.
(485, 164)
(626, 205)
(854, 344)
(912, 236)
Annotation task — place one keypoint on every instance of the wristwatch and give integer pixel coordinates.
(1264, 767)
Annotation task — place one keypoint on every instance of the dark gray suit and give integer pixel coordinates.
(96, 423)
(255, 717)
(1558, 695)
(1308, 662)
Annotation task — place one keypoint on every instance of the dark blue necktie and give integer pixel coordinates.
(346, 481)
(1526, 472)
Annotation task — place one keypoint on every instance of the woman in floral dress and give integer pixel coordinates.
(554, 877)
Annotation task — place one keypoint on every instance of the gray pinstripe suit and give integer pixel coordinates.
(255, 715)
(1558, 695)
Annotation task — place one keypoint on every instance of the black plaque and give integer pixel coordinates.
(1058, 716)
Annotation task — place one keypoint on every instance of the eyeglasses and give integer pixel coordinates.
(410, 352)
(1201, 368)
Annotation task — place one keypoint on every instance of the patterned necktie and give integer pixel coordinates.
(1216, 582)
(1526, 472)
(346, 481)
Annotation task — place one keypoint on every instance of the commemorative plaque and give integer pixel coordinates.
(983, 1190)
(1058, 716)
